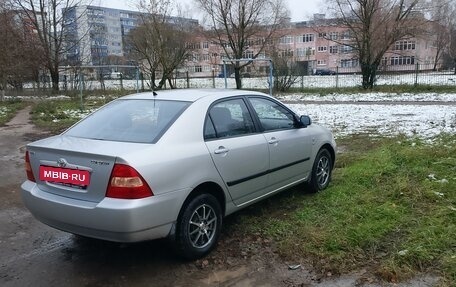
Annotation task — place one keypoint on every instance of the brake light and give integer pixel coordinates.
(28, 168)
(126, 183)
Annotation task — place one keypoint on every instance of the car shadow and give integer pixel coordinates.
(110, 262)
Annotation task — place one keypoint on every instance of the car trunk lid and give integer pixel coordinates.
(73, 167)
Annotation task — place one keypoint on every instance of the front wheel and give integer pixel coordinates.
(198, 227)
(321, 171)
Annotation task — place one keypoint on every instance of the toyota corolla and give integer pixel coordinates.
(173, 164)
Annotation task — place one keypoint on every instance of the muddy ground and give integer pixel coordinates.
(32, 254)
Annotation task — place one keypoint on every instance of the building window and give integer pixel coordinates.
(193, 46)
(206, 57)
(346, 35)
(305, 52)
(198, 69)
(345, 49)
(404, 45)
(321, 49)
(333, 35)
(205, 45)
(322, 35)
(207, 68)
(286, 53)
(321, 62)
(196, 57)
(286, 40)
(402, 60)
(95, 12)
(333, 49)
(248, 54)
(305, 38)
(349, 63)
(384, 61)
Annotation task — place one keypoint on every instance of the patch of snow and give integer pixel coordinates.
(423, 121)
(342, 80)
(432, 177)
(3, 111)
(372, 97)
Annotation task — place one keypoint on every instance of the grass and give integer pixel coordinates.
(57, 115)
(8, 110)
(391, 207)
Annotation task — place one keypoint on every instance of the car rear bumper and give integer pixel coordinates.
(111, 219)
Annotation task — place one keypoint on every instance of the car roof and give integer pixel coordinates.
(190, 95)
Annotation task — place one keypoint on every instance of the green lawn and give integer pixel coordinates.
(56, 116)
(391, 207)
(8, 110)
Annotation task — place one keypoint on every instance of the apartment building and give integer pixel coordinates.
(317, 44)
(94, 33)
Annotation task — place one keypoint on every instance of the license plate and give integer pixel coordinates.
(64, 175)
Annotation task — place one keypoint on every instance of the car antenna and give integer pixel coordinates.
(155, 95)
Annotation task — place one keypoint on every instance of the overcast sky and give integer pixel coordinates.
(300, 9)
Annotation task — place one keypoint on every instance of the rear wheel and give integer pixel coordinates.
(321, 171)
(198, 227)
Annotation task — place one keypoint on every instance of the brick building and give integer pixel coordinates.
(314, 44)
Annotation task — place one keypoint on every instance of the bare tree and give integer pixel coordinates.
(375, 25)
(441, 18)
(451, 51)
(160, 42)
(286, 69)
(141, 43)
(236, 25)
(17, 61)
(47, 17)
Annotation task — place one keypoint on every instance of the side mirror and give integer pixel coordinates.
(305, 121)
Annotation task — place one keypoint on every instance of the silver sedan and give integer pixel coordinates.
(173, 164)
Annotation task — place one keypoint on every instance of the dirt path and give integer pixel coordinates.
(33, 254)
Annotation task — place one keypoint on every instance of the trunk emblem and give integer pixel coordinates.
(62, 162)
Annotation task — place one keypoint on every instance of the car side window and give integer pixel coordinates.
(272, 116)
(228, 118)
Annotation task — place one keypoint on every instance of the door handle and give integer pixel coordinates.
(221, 150)
(273, 140)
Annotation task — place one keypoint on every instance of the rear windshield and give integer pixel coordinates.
(139, 121)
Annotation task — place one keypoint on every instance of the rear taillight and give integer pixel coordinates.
(28, 168)
(125, 182)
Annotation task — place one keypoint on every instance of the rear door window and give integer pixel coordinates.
(228, 118)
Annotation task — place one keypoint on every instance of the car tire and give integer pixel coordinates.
(321, 171)
(198, 227)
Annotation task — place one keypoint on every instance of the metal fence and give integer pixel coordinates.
(409, 75)
(130, 79)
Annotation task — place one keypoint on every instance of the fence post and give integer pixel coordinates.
(213, 78)
(337, 77)
(121, 81)
(142, 81)
(81, 88)
(417, 67)
(188, 81)
(137, 79)
(302, 82)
